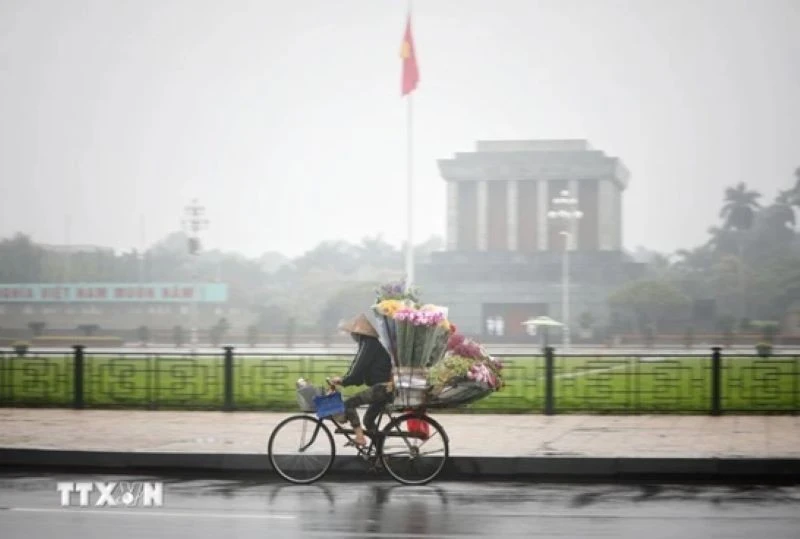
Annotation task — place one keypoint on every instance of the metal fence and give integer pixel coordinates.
(547, 383)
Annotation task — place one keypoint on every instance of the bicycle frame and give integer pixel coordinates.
(370, 449)
(388, 410)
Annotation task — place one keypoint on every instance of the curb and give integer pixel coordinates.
(458, 468)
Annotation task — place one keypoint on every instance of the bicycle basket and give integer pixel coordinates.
(305, 398)
(328, 405)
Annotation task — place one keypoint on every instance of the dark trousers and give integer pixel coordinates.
(376, 396)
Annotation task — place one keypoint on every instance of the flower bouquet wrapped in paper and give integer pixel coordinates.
(421, 342)
(389, 299)
(421, 335)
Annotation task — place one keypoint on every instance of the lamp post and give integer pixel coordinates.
(565, 210)
(194, 222)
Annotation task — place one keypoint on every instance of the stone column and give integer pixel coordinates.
(512, 200)
(543, 200)
(482, 217)
(452, 215)
(605, 210)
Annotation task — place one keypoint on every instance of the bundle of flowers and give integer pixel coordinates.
(416, 336)
(422, 336)
(397, 291)
(389, 299)
(467, 373)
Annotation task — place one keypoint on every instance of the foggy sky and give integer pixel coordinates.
(285, 118)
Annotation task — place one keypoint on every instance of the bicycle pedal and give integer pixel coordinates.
(361, 448)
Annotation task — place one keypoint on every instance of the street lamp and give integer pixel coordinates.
(194, 222)
(565, 210)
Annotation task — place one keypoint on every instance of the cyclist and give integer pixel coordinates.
(372, 367)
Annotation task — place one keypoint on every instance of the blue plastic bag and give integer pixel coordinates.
(328, 405)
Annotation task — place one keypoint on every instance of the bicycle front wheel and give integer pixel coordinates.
(301, 449)
(411, 458)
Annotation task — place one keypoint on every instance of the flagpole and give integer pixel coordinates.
(409, 184)
(410, 192)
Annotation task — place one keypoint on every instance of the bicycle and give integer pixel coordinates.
(378, 453)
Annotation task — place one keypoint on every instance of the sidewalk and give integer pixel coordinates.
(479, 444)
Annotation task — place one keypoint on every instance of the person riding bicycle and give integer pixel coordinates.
(372, 367)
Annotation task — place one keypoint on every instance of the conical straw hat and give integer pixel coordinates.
(360, 325)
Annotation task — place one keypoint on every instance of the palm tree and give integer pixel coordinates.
(739, 212)
(740, 207)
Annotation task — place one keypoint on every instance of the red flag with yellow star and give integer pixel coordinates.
(410, 68)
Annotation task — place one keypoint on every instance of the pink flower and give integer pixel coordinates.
(482, 374)
(419, 318)
(404, 315)
(454, 341)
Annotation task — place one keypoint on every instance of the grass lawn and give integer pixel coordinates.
(581, 383)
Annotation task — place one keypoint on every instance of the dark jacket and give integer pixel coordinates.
(372, 364)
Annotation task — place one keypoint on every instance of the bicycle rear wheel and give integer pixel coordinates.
(412, 459)
(301, 449)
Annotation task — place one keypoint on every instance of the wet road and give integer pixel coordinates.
(30, 507)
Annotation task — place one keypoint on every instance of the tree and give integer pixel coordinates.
(695, 262)
(739, 213)
(773, 232)
(272, 318)
(659, 265)
(780, 215)
(795, 190)
(347, 303)
(374, 251)
(722, 240)
(740, 207)
(21, 260)
(336, 256)
(649, 301)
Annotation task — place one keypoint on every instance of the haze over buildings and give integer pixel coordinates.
(286, 121)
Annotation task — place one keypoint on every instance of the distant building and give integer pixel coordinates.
(117, 307)
(502, 264)
(499, 195)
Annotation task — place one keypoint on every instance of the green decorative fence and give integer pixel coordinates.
(548, 383)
